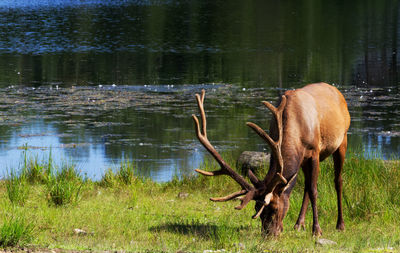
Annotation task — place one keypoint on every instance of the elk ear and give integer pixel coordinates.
(267, 201)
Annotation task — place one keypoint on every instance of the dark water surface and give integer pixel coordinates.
(95, 82)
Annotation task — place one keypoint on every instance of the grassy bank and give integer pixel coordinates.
(125, 213)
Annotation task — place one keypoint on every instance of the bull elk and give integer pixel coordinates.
(310, 124)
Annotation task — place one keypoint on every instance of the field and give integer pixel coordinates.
(46, 207)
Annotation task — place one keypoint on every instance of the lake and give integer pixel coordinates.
(97, 82)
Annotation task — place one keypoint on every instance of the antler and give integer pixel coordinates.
(248, 190)
(276, 150)
(275, 145)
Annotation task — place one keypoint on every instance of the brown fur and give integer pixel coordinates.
(315, 124)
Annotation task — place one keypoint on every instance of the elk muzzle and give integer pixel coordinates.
(271, 216)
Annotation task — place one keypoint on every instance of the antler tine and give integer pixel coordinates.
(278, 116)
(264, 135)
(200, 103)
(277, 112)
(253, 178)
(245, 200)
(275, 145)
(229, 197)
(225, 168)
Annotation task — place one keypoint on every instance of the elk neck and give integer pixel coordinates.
(291, 150)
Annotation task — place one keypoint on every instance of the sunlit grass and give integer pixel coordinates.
(17, 188)
(140, 215)
(15, 230)
(64, 185)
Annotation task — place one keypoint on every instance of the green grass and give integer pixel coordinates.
(17, 188)
(35, 170)
(126, 172)
(108, 179)
(15, 231)
(140, 215)
(64, 186)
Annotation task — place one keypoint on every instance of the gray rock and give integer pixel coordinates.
(251, 160)
(82, 232)
(183, 195)
(322, 241)
(79, 231)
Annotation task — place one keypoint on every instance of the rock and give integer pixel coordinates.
(183, 195)
(79, 231)
(240, 246)
(322, 241)
(212, 251)
(252, 160)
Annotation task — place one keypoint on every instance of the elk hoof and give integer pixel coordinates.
(340, 226)
(317, 232)
(300, 226)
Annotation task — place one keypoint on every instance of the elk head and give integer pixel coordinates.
(271, 204)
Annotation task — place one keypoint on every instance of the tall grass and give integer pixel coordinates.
(125, 174)
(35, 170)
(372, 187)
(15, 231)
(64, 186)
(108, 179)
(17, 188)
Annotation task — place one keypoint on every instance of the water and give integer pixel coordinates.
(96, 82)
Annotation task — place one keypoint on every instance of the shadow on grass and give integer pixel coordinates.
(205, 231)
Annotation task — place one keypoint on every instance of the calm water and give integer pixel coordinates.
(95, 82)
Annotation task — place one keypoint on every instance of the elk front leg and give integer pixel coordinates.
(300, 224)
(338, 161)
(300, 220)
(311, 185)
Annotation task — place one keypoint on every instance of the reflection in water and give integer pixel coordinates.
(99, 81)
(262, 43)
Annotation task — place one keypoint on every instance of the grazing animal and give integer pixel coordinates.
(311, 123)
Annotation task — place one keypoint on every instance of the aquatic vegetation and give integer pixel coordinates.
(36, 171)
(112, 115)
(126, 172)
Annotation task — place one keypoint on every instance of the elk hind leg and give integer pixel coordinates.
(338, 161)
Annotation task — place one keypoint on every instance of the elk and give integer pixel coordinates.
(311, 123)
